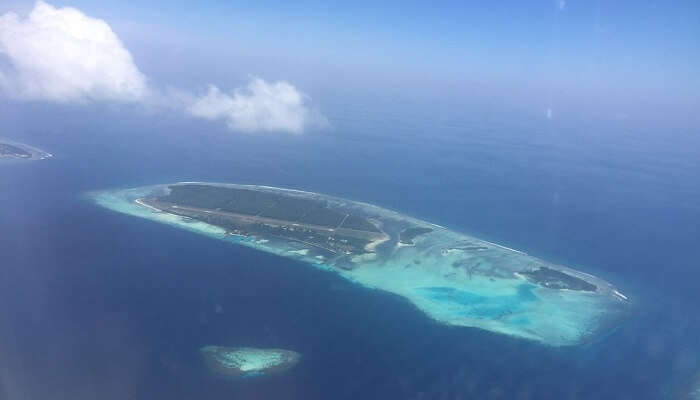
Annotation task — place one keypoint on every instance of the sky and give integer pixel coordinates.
(620, 59)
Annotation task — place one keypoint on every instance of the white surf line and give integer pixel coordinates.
(284, 189)
(362, 203)
(141, 203)
(584, 274)
(504, 247)
(341, 222)
(622, 296)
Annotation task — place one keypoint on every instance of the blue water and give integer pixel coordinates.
(97, 304)
(478, 306)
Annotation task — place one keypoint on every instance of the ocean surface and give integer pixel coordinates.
(97, 304)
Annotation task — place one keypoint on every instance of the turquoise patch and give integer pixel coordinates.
(482, 307)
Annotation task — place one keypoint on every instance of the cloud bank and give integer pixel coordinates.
(62, 55)
(261, 106)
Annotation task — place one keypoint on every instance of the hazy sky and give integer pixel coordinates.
(626, 56)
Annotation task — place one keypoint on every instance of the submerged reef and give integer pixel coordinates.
(247, 362)
(13, 150)
(453, 278)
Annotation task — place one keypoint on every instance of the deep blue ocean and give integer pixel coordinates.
(100, 305)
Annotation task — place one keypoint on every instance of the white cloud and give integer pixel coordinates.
(562, 5)
(63, 55)
(261, 106)
(60, 54)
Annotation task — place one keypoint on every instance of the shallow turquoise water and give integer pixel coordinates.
(83, 284)
(478, 306)
(496, 299)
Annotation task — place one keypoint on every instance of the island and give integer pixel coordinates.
(407, 235)
(247, 362)
(453, 278)
(13, 150)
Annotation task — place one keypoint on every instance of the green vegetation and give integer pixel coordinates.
(407, 235)
(323, 217)
(358, 223)
(454, 278)
(553, 279)
(332, 232)
(266, 205)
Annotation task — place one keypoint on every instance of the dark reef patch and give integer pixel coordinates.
(553, 279)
